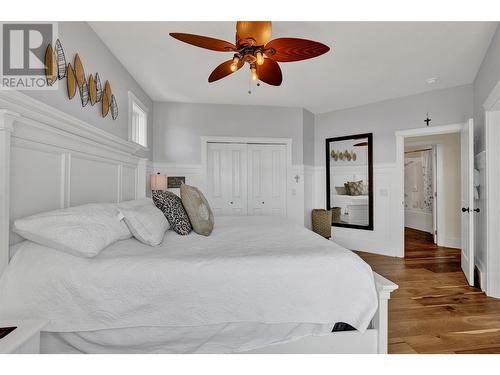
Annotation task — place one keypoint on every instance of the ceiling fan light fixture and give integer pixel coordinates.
(253, 46)
(234, 64)
(254, 72)
(260, 57)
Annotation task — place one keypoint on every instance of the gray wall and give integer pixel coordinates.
(308, 137)
(78, 37)
(179, 126)
(486, 79)
(445, 106)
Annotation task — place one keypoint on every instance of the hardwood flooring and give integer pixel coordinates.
(435, 310)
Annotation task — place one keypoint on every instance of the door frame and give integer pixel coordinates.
(205, 140)
(492, 203)
(400, 172)
(437, 183)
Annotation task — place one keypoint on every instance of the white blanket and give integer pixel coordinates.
(251, 269)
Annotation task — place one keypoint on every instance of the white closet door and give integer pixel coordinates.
(227, 178)
(267, 178)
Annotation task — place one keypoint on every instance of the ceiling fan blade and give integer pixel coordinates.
(269, 72)
(205, 42)
(260, 31)
(223, 70)
(295, 49)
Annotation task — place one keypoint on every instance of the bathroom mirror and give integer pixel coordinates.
(349, 181)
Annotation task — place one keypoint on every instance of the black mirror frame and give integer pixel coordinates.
(369, 136)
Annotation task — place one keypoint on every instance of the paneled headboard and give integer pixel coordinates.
(50, 160)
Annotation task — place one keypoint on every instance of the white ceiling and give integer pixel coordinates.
(368, 61)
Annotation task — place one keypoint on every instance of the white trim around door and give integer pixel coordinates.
(400, 148)
(492, 204)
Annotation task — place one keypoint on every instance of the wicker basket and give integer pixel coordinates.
(322, 222)
(336, 211)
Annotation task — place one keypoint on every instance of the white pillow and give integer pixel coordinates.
(82, 230)
(147, 223)
(127, 205)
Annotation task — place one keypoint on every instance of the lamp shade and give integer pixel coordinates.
(158, 182)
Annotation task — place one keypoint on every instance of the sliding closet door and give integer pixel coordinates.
(227, 178)
(266, 177)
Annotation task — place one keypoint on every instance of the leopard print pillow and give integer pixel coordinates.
(171, 206)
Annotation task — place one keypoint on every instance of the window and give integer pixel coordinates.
(138, 121)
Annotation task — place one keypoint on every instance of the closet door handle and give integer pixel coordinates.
(465, 209)
(262, 202)
(231, 202)
(476, 210)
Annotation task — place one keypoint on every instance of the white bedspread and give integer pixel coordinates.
(251, 269)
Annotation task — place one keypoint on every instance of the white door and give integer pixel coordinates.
(434, 193)
(267, 179)
(467, 199)
(227, 178)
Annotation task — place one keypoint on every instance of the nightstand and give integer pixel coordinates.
(25, 339)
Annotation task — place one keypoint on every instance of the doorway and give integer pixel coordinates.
(421, 189)
(432, 201)
(439, 200)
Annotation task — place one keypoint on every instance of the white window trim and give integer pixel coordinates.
(132, 99)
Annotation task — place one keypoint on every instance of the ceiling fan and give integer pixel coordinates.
(253, 46)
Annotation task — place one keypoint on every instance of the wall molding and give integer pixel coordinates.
(491, 203)
(35, 111)
(50, 160)
(196, 175)
(382, 240)
(492, 102)
(194, 168)
(452, 242)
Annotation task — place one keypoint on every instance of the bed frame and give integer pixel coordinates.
(50, 160)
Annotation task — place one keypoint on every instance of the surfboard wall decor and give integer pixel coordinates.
(98, 88)
(50, 66)
(91, 90)
(106, 99)
(61, 60)
(84, 93)
(114, 108)
(71, 81)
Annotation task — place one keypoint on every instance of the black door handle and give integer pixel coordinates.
(465, 209)
(476, 210)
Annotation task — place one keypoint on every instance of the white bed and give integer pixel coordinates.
(255, 281)
(263, 288)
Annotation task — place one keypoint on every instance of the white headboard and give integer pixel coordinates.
(50, 160)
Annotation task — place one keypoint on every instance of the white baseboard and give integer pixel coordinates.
(418, 219)
(455, 243)
(482, 274)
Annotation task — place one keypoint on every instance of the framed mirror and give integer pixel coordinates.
(349, 181)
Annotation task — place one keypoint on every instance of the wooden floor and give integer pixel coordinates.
(435, 310)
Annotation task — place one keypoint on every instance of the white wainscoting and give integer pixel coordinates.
(384, 239)
(50, 160)
(196, 175)
(418, 219)
(309, 193)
